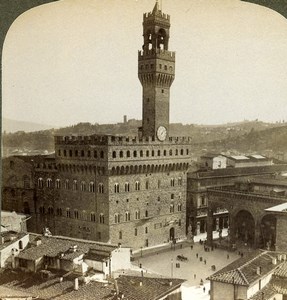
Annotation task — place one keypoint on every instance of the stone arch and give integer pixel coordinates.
(268, 225)
(245, 226)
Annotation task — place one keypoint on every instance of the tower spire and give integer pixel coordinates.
(156, 7)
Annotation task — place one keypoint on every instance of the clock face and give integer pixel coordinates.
(161, 133)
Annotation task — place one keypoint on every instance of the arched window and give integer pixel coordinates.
(179, 207)
(187, 151)
(114, 154)
(91, 187)
(75, 185)
(83, 186)
(67, 184)
(127, 187)
(128, 216)
(147, 153)
(179, 180)
(59, 211)
(102, 154)
(70, 153)
(135, 153)
(49, 183)
(141, 153)
(89, 153)
(137, 215)
(26, 182)
(147, 185)
(158, 152)
(76, 153)
(164, 152)
(136, 231)
(146, 214)
(171, 182)
(50, 210)
(68, 213)
(95, 154)
(76, 214)
(84, 215)
(116, 188)
(102, 218)
(171, 208)
(93, 217)
(176, 151)
(101, 188)
(128, 153)
(121, 154)
(42, 210)
(120, 235)
(82, 153)
(117, 218)
(170, 152)
(137, 186)
(40, 183)
(181, 152)
(65, 152)
(58, 183)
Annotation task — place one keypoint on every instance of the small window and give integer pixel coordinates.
(137, 186)
(128, 153)
(114, 154)
(158, 152)
(135, 153)
(91, 187)
(165, 67)
(171, 208)
(141, 153)
(83, 186)
(146, 214)
(101, 188)
(75, 185)
(89, 153)
(164, 152)
(147, 153)
(146, 230)
(59, 152)
(68, 213)
(120, 235)
(102, 218)
(127, 187)
(137, 215)
(116, 188)
(121, 154)
(70, 153)
(128, 216)
(147, 185)
(117, 218)
(65, 152)
(162, 91)
(76, 153)
(40, 183)
(82, 153)
(49, 183)
(136, 231)
(95, 154)
(93, 217)
(102, 154)
(76, 214)
(152, 153)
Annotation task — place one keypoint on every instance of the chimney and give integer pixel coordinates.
(274, 261)
(76, 285)
(258, 271)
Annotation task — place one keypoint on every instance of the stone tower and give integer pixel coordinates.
(156, 74)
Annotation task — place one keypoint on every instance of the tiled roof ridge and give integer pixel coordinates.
(242, 275)
(253, 258)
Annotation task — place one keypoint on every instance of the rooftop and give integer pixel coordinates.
(244, 271)
(132, 287)
(54, 246)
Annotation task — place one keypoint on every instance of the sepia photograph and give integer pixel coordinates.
(143, 149)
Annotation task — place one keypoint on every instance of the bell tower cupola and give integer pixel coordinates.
(156, 66)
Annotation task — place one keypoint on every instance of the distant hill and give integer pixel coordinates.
(243, 137)
(257, 141)
(10, 125)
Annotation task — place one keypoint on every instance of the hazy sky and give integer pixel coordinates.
(76, 61)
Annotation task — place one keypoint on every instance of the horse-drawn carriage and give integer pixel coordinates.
(182, 258)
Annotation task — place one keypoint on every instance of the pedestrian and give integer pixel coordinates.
(191, 247)
(194, 276)
(196, 255)
(204, 289)
(227, 256)
(205, 261)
